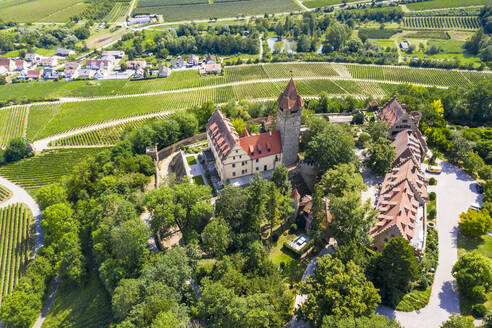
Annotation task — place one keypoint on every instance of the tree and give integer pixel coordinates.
(280, 179)
(473, 164)
(336, 289)
(231, 205)
(337, 34)
(16, 150)
(472, 270)
(331, 146)
(351, 219)
(51, 195)
(461, 147)
(341, 179)
(377, 130)
(381, 156)
(216, 237)
(395, 268)
(475, 223)
(458, 321)
(373, 321)
(57, 220)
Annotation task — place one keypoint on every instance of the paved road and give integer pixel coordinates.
(455, 192)
(21, 196)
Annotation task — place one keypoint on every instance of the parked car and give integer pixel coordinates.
(434, 169)
(476, 206)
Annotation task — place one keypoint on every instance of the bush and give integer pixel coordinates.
(479, 310)
(487, 320)
(432, 196)
(432, 181)
(432, 214)
(293, 228)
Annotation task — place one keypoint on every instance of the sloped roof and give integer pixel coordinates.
(290, 99)
(262, 145)
(245, 133)
(391, 112)
(295, 194)
(224, 136)
(406, 144)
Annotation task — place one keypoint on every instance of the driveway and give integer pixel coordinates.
(455, 192)
(21, 196)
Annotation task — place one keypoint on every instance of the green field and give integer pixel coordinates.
(204, 10)
(483, 245)
(385, 43)
(118, 13)
(40, 10)
(13, 124)
(320, 3)
(17, 246)
(433, 4)
(88, 306)
(442, 22)
(48, 167)
(5, 194)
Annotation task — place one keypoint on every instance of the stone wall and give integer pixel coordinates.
(289, 125)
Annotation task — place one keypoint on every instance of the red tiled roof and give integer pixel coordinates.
(406, 144)
(262, 145)
(295, 194)
(245, 133)
(290, 99)
(391, 112)
(223, 135)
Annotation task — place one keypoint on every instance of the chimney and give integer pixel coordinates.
(270, 132)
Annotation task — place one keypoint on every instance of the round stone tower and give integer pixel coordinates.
(289, 115)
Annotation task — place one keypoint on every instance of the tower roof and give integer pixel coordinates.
(290, 99)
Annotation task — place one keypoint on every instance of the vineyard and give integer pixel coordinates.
(118, 13)
(443, 22)
(48, 167)
(13, 125)
(15, 230)
(102, 137)
(5, 194)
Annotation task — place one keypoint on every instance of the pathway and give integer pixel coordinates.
(21, 196)
(261, 47)
(48, 304)
(455, 192)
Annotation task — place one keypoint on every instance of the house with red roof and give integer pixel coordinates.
(396, 117)
(243, 155)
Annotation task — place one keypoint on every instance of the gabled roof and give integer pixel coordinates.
(391, 112)
(290, 99)
(406, 144)
(262, 145)
(223, 135)
(245, 133)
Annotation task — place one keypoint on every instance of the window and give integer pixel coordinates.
(233, 174)
(257, 160)
(265, 168)
(252, 153)
(242, 163)
(257, 169)
(259, 151)
(233, 157)
(233, 165)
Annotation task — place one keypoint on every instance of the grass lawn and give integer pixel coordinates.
(293, 270)
(191, 160)
(86, 306)
(483, 245)
(415, 299)
(385, 43)
(431, 206)
(198, 180)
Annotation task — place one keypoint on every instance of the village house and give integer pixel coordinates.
(86, 73)
(20, 65)
(139, 73)
(115, 53)
(34, 74)
(63, 52)
(72, 65)
(50, 74)
(134, 64)
(98, 64)
(210, 60)
(140, 19)
(237, 158)
(111, 59)
(164, 71)
(211, 69)
(48, 62)
(3, 70)
(32, 57)
(193, 60)
(70, 73)
(7, 63)
(178, 63)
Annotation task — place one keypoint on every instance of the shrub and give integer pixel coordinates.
(479, 310)
(432, 214)
(478, 294)
(487, 320)
(475, 223)
(432, 181)
(293, 228)
(432, 196)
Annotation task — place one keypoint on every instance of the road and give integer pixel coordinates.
(455, 192)
(21, 196)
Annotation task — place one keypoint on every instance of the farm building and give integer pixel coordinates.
(64, 52)
(211, 69)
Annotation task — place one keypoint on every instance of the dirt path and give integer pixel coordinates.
(48, 304)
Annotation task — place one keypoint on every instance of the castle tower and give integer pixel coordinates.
(289, 114)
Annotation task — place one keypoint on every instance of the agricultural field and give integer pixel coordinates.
(442, 35)
(17, 245)
(118, 13)
(320, 3)
(436, 4)
(442, 22)
(201, 9)
(102, 137)
(14, 121)
(5, 194)
(27, 11)
(48, 167)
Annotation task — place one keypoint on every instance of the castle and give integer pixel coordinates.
(240, 156)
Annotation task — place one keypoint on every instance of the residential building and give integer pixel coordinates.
(64, 52)
(178, 63)
(239, 157)
(48, 62)
(139, 73)
(210, 60)
(86, 73)
(34, 74)
(70, 73)
(134, 64)
(397, 119)
(406, 145)
(164, 71)
(50, 74)
(32, 57)
(99, 74)
(7, 63)
(211, 69)
(72, 65)
(3, 70)
(98, 64)
(111, 59)
(20, 65)
(193, 60)
(115, 53)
